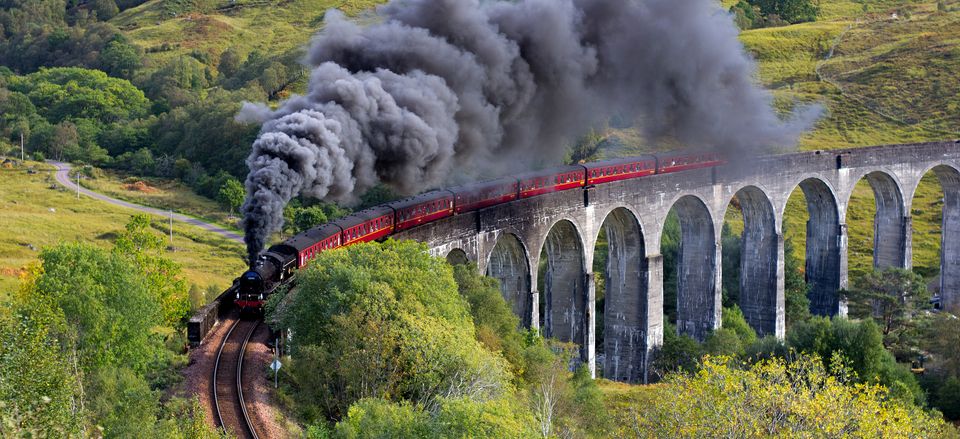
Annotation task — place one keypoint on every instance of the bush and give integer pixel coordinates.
(678, 353)
(777, 398)
(734, 320)
(861, 343)
(455, 418)
(723, 342)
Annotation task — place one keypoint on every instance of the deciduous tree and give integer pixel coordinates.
(898, 301)
(232, 194)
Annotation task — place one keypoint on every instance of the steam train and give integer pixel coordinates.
(280, 262)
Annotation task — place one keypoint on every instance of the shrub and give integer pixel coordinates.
(777, 398)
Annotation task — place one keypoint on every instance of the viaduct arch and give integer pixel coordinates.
(508, 242)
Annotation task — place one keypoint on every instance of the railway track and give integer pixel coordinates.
(230, 411)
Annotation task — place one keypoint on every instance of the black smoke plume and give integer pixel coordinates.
(486, 87)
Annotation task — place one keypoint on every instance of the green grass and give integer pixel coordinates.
(270, 26)
(162, 194)
(37, 212)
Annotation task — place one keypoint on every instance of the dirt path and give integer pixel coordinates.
(63, 177)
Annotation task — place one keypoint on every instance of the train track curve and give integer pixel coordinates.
(230, 411)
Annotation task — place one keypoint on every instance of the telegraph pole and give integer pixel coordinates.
(78, 185)
(171, 229)
(21, 145)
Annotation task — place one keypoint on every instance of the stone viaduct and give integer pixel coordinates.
(507, 241)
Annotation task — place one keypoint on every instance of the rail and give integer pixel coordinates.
(230, 409)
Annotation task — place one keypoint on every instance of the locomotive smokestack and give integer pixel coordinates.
(492, 87)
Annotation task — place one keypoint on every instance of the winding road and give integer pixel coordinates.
(63, 177)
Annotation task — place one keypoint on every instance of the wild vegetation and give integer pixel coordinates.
(91, 341)
(389, 342)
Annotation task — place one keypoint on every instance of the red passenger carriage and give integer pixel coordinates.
(485, 194)
(552, 180)
(422, 209)
(368, 225)
(620, 169)
(686, 160)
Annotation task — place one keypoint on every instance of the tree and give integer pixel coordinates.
(587, 148)
(232, 194)
(105, 9)
(178, 80)
(38, 386)
(678, 353)
(384, 321)
(791, 11)
(230, 62)
(122, 403)
(942, 340)
(861, 345)
(730, 248)
(898, 300)
(120, 59)
(455, 418)
(306, 218)
(161, 275)
(101, 306)
(494, 319)
(274, 78)
(66, 141)
(795, 287)
(140, 162)
(746, 16)
(946, 398)
(72, 93)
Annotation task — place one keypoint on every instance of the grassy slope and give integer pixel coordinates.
(859, 104)
(26, 203)
(270, 26)
(162, 194)
(881, 68)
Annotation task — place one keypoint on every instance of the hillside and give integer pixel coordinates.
(889, 80)
(166, 29)
(38, 213)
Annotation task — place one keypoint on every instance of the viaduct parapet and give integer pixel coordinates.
(507, 241)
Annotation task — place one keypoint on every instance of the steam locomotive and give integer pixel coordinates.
(278, 264)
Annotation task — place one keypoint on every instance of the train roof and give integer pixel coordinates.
(685, 153)
(312, 236)
(620, 161)
(551, 172)
(420, 199)
(364, 216)
(484, 185)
